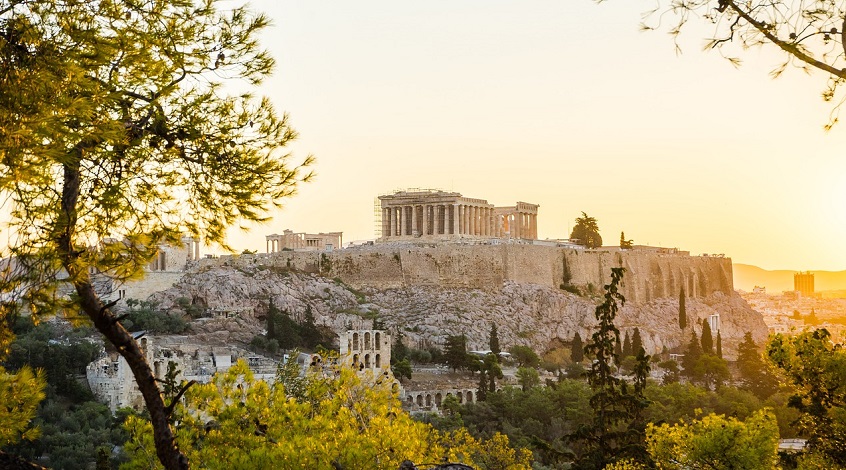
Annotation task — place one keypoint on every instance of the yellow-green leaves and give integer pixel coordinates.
(20, 394)
(716, 442)
(238, 422)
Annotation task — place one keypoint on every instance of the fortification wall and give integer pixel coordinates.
(650, 275)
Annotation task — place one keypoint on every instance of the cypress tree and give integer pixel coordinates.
(627, 346)
(637, 342)
(682, 312)
(482, 391)
(577, 349)
(494, 342)
(272, 314)
(719, 345)
(692, 355)
(707, 338)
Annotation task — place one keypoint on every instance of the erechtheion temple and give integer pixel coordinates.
(303, 241)
(439, 214)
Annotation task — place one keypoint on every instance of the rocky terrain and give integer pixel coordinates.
(237, 298)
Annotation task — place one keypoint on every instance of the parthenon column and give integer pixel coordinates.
(403, 219)
(474, 224)
(454, 219)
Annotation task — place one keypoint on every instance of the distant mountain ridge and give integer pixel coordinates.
(747, 276)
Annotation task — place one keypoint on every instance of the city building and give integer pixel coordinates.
(803, 282)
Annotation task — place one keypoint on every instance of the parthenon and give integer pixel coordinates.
(436, 214)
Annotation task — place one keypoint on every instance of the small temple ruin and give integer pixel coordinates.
(290, 240)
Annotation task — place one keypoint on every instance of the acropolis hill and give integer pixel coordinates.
(447, 264)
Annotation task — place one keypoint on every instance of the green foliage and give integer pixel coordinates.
(455, 352)
(329, 421)
(21, 393)
(691, 356)
(682, 310)
(577, 352)
(625, 244)
(719, 345)
(528, 378)
(816, 369)
(637, 342)
(754, 374)
(524, 356)
(402, 369)
(616, 432)
(716, 442)
(399, 351)
(143, 316)
(494, 341)
(626, 350)
(586, 232)
(707, 339)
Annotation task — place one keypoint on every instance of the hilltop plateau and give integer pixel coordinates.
(235, 295)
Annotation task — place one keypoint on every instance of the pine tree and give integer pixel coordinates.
(637, 342)
(120, 135)
(577, 351)
(682, 312)
(494, 341)
(308, 330)
(754, 374)
(609, 437)
(707, 338)
(719, 344)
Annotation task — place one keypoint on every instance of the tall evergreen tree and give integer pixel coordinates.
(310, 334)
(618, 351)
(482, 390)
(608, 438)
(272, 314)
(754, 374)
(494, 341)
(586, 232)
(577, 351)
(627, 346)
(399, 351)
(682, 310)
(455, 352)
(707, 338)
(719, 345)
(637, 342)
(691, 356)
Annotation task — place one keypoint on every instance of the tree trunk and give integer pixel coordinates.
(105, 321)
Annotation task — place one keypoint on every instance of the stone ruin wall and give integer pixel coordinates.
(650, 275)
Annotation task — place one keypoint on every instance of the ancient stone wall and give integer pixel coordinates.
(650, 275)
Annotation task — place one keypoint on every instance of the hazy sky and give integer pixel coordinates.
(563, 104)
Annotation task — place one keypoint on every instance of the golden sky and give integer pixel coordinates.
(563, 104)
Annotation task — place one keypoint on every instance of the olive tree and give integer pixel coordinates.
(117, 135)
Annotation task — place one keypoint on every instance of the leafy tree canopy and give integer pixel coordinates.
(716, 442)
(117, 135)
(329, 422)
(586, 232)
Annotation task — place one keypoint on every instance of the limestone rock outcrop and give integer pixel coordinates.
(535, 314)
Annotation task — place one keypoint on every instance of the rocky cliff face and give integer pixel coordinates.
(534, 314)
(652, 275)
